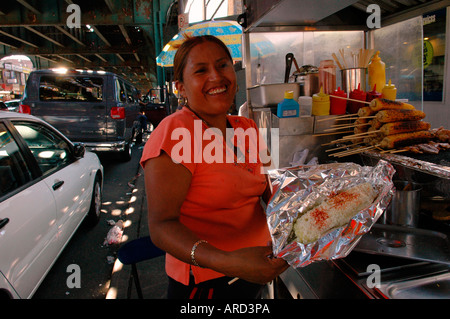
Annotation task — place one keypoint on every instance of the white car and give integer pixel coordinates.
(13, 105)
(48, 186)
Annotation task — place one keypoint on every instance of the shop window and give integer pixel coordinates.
(434, 25)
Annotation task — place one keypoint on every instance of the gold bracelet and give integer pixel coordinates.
(198, 242)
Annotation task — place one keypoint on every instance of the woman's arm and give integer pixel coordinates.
(167, 185)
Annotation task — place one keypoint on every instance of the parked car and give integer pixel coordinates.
(94, 107)
(13, 105)
(48, 186)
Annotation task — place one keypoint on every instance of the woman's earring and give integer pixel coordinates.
(183, 101)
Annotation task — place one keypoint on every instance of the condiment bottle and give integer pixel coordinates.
(337, 105)
(327, 76)
(373, 94)
(321, 103)
(305, 104)
(377, 72)
(356, 94)
(389, 91)
(288, 107)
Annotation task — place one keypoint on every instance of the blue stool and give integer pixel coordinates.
(136, 251)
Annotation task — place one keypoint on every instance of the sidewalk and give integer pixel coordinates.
(152, 275)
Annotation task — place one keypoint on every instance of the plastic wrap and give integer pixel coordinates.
(297, 189)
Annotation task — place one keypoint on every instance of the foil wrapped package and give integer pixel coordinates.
(296, 190)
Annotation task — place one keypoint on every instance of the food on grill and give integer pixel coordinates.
(365, 111)
(404, 127)
(405, 139)
(388, 116)
(427, 148)
(376, 124)
(333, 212)
(442, 134)
(394, 127)
(384, 104)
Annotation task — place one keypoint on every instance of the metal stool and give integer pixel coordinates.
(136, 251)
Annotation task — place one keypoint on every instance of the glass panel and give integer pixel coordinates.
(120, 91)
(13, 169)
(71, 88)
(49, 149)
(401, 48)
(269, 50)
(434, 54)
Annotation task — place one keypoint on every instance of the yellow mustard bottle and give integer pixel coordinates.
(320, 103)
(377, 72)
(389, 91)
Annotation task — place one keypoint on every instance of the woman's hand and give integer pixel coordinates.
(254, 264)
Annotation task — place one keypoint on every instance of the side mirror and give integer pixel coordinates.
(79, 150)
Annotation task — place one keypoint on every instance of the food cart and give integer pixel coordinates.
(414, 262)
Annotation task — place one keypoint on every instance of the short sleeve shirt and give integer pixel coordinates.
(223, 202)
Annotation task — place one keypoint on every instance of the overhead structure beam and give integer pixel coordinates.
(110, 5)
(100, 57)
(100, 35)
(44, 36)
(19, 39)
(74, 38)
(125, 33)
(29, 6)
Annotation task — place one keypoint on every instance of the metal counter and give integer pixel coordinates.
(295, 134)
(412, 262)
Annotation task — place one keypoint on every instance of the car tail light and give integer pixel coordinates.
(23, 108)
(117, 112)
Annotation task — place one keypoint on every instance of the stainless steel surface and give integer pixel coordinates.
(406, 242)
(431, 287)
(294, 135)
(293, 125)
(441, 171)
(309, 83)
(353, 77)
(288, 12)
(266, 95)
(281, 14)
(405, 205)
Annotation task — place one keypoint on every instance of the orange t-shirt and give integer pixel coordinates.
(223, 202)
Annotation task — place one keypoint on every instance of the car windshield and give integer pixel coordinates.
(12, 103)
(71, 88)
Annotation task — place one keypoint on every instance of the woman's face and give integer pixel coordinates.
(209, 80)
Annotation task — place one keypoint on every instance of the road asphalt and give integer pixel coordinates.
(151, 272)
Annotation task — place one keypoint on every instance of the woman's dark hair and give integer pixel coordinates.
(179, 61)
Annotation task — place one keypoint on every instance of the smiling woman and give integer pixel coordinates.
(211, 87)
(207, 215)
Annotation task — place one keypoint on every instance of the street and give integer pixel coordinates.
(87, 249)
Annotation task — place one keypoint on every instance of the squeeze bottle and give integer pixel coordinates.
(321, 103)
(389, 91)
(338, 106)
(377, 72)
(288, 107)
(373, 94)
(356, 94)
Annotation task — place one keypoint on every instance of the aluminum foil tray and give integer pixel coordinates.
(297, 189)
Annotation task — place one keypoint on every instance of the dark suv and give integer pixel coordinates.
(95, 108)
